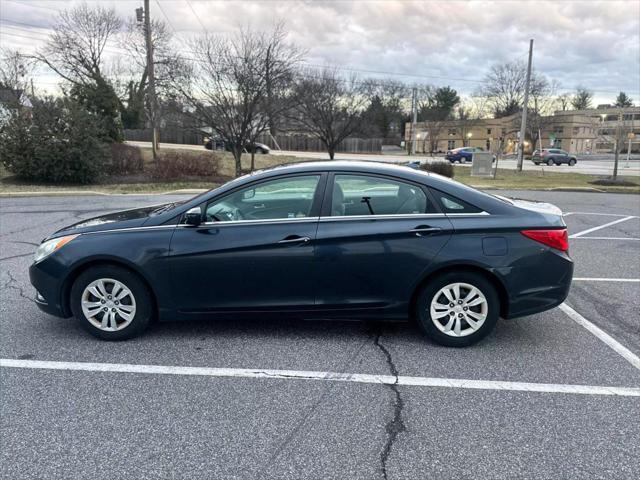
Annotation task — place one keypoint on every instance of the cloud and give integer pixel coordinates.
(596, 44)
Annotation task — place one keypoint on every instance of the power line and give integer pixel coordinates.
(204, 29)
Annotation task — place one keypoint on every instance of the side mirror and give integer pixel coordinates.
(248, 194)
(193, 217)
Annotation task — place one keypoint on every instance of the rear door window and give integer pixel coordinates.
(369, 195)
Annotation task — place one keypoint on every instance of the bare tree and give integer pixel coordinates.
(330, 107)
(167, 65)
(76, 47)
(282, 60)
(389, 106)
(504, 87)
(225, 87)
(564, 101)
(582, 99)
(542, 102)
(14, 76)
(75, 51)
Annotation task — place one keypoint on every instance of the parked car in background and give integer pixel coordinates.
(219, 144)
(553, 156)
(463, 154)
(342, 240)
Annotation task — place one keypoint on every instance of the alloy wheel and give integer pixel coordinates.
(108, 304)
(459, 309)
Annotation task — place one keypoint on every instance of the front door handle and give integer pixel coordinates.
(422, 230)
(295, 239)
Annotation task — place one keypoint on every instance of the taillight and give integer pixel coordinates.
(558, 239)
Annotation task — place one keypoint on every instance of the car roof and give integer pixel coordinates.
(446, 185)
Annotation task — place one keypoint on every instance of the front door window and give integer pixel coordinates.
(282, 198)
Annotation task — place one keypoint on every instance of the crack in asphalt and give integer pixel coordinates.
(13, 284)
(310, 412)
(16, 256)
(395, 426)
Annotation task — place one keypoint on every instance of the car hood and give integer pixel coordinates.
(112, 221)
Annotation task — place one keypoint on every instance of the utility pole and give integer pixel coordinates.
(523, 124)
(153, 101)
(616, 146)
(414, 120)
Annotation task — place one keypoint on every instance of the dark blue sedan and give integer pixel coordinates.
(328, 240)
(463, 154)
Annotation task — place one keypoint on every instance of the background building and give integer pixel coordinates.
(576, 131)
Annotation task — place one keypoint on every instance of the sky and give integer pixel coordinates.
(595, 44)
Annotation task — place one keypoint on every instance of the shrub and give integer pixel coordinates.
(177, 165)
(441, 168)
(60, 143)
(125, 159)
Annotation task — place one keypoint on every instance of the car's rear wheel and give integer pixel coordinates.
(572, 162)
(550, 162)
(458, 309)
(111, 302)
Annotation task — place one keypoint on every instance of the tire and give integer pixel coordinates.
(572, 162)
(537, 163)
(550, 162)
(432, 293)
(132, 311)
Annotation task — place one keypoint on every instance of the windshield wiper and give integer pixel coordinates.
(164, 208)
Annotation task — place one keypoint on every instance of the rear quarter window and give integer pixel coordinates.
(450, 204)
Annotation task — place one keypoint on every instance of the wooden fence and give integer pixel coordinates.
(301, 143)
(304, 143)
(167, 135)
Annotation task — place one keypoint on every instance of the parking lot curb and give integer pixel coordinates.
(54, 193)
(93, 193)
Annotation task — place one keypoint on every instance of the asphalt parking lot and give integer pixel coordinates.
(554, 395)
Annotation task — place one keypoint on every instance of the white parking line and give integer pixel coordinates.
(606, 238)
(322, 376)
(602, 279)
(597, 213)
(589, 230)
(620, 349)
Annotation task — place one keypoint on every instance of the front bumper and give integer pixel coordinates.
(48, 287)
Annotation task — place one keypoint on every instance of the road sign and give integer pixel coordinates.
(631, 135)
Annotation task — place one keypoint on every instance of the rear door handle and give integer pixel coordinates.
(295, 239)
(422, 230)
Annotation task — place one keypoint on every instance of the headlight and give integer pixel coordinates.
(47, 248)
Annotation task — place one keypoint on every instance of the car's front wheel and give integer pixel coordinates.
(458, 309)
(572, 162)
(111, 303)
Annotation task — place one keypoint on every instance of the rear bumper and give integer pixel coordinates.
(545, 289)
